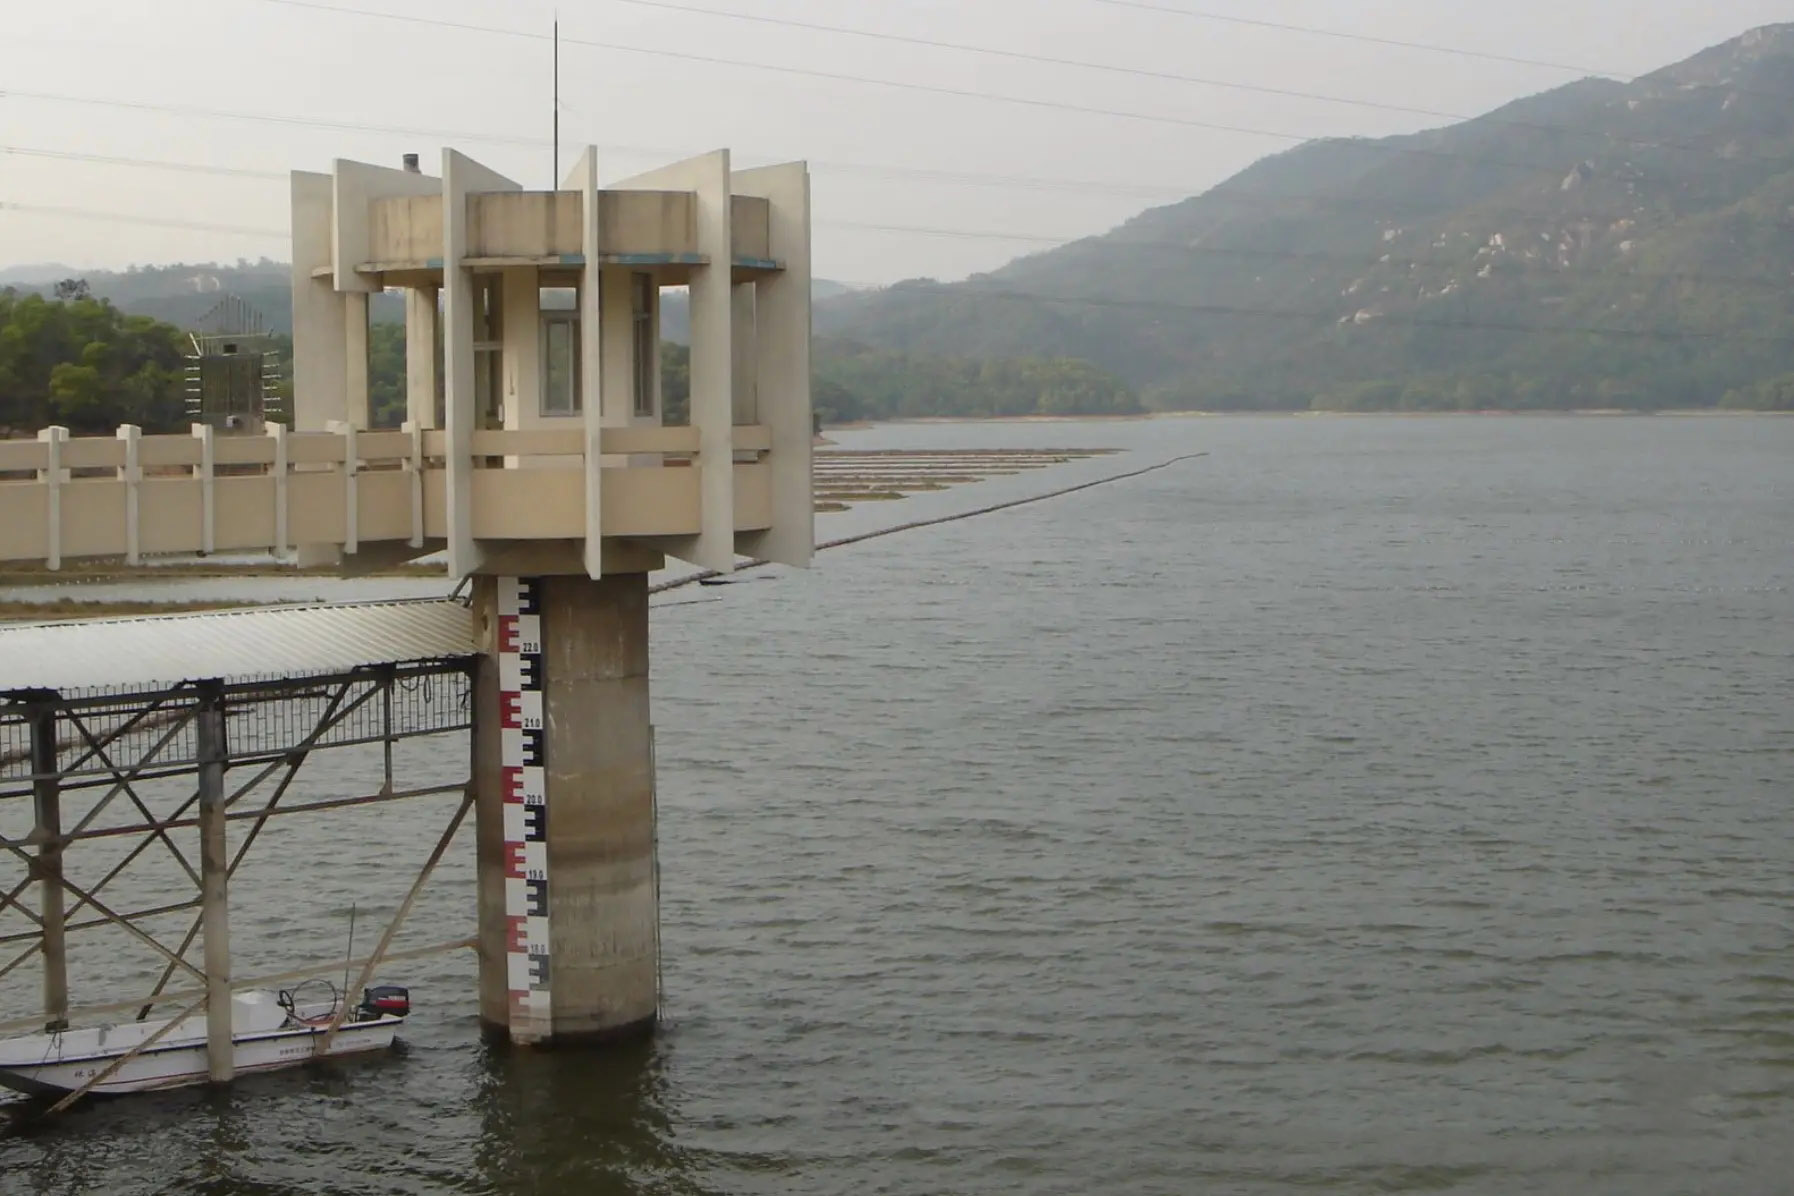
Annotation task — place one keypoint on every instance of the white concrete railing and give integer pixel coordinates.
(132, 495)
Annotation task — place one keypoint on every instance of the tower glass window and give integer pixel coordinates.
(643, 293)
(488, 350)
(560, 351)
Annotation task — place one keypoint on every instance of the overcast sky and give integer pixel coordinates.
(879, 153)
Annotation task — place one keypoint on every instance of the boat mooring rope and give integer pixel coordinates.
(711, 574)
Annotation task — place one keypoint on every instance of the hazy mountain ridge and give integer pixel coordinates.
(182, 294)
(675, 308)
(33, 274)
(1440, 260)
(852, 382)
(1599, 244)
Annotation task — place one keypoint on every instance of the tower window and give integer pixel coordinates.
(643, 293)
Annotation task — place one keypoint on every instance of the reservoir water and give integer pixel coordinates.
(1373, 805)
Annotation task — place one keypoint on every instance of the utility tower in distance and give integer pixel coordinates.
(233, 372)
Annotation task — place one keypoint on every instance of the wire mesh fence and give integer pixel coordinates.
(97, 736)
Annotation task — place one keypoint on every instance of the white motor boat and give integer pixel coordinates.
(270, 1030)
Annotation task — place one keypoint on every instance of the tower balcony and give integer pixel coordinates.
(376, 497)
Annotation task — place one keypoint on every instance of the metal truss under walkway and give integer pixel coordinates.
(227, 709)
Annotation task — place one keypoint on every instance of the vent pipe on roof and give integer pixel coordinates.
(411, 164)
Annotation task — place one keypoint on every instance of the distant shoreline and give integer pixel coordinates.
(1492, 413)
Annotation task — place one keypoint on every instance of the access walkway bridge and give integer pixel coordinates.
(134, 495)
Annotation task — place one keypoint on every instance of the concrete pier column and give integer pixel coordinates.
(356, 407)
(564, 765)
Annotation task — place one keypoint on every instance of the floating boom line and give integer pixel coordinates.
(913, 525)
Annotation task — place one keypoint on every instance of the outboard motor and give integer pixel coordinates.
(386, 1000)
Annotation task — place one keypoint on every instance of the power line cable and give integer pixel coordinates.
(993, 180)
(1022, 56)
(1222, 192)
(704, 575)
(1428, 47)
(968, 178)
(810, 73)
(1169, 76)
(312, 122)
(911, 85)
(1376, 146)
(949, 177)
(1149, 305)
(156, 163)
(1108, 244)
(1195, 14)
(1366, 38)
(118, 217)
(413, 19)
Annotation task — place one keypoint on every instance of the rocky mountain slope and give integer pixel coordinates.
(1601, 244)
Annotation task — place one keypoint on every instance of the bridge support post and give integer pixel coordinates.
(214, 873)
(46, 788)
(564, 769)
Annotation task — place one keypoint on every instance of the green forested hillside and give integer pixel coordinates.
(82, 363)
(183, 294)
(675, 307)
(852, 382)
(1600, 245)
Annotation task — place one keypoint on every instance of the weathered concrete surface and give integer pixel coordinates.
(603, 907)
